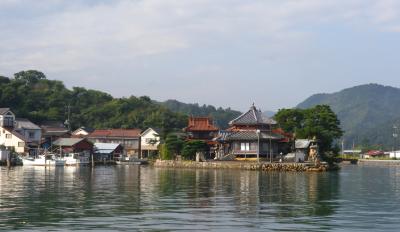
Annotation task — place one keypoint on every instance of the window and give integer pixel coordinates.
(8, 136)
(245, 146)
(31, 135)
(21, 144)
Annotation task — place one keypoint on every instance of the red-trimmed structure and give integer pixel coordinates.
(201, 128)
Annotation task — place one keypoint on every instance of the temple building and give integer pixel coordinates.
(249, 135)
(201, 128)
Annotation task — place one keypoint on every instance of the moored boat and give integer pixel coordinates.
(43, 160)
(76, 159)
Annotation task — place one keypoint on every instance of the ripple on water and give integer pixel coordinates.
(146, 198)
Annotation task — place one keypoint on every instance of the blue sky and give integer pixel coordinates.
(227, 53)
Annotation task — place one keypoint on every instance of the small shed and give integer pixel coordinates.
(74, 145)
(107, 151)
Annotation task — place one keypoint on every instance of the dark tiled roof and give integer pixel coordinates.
(252, 117)
(200, 124)
(4, 110)
(24, 123)
(252, 135)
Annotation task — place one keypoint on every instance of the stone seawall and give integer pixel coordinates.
(284, 167)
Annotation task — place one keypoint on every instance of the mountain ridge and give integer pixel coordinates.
(362, 110)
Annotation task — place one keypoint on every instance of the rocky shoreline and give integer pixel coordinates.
(263, 166)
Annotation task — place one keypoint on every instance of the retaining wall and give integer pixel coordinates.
(286, 167)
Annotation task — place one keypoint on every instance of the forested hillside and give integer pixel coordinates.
(31, 95)
(367, 113)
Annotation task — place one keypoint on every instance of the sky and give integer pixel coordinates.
(227, 53)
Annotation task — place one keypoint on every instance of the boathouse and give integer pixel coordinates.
(73, 145)
(107, 151)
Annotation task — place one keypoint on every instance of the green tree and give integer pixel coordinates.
(191, 147)
(173, 145)
(30, 76)
(318, 122)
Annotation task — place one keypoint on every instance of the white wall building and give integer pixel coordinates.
(150, 139)
(10, 138)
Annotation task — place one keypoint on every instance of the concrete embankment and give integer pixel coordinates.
(379, 162)
(285, 167)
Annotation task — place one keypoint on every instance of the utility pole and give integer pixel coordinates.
(68, 122)
(395, 135)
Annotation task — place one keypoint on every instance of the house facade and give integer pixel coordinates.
(32, 134)
(9, 137)
(51, 131)
(150, 139)
(249, 135)
(128, 138)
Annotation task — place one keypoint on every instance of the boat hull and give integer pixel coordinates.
(42, 162)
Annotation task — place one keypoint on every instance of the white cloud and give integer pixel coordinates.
(88, 37)
(82, 35)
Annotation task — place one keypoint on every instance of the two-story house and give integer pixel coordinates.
(150, 139)
(31, 132)
(9, 137)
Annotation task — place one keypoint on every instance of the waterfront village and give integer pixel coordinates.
(250, 137)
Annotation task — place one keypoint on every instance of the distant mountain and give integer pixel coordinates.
(220, 116)
(269, 113)
(367, 113)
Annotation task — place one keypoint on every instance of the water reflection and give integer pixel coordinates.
(133, 197)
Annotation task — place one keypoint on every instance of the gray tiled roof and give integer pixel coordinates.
(252, 117)
(4, 110)
(67, 142)
(252, 135)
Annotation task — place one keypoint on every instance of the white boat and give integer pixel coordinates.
(43, 160)
(76, 159)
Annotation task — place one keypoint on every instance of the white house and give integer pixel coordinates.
(9, 137)
(150, 139)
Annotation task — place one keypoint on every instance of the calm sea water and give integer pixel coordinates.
(154, 199)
